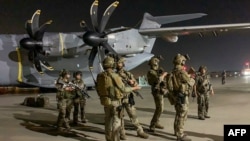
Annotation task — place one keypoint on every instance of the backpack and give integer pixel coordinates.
(170, 88)
(106, 89)
(103, 82)
(175, 81)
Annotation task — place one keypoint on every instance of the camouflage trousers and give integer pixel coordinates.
(112, 123)
(203, 105)
(79, 103)
(180, 117)
(131, 111)
(64, 105)
(159, 107)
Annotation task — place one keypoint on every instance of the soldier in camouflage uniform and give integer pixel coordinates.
(64, 96)
(202, 89)
(182, 82)
(79, 100)
(110, 88)
(154, 79)
(128, 100)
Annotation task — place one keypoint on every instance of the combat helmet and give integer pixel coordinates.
(179, 59)
(77, 73)
(154, 61)
(64, 72)
(108, 62)
(121, 60)
(202, 67)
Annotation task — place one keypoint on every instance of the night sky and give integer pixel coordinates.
(230, 50)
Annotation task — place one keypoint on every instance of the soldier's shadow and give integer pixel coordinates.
(152, 110)
(45, 123)
(201, 135)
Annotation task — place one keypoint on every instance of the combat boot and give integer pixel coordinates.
(152, 128)
(183, 138)
(123, 137)
(84, 120)
(157, 125)
(206, 116)
(142, 134)
(201, 118)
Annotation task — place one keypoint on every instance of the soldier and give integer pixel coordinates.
(223, 77)
(182, 82)
(154, 79)
(64, 97)
(202, 89)
(110, 89)
(79, 99)
(128, 100)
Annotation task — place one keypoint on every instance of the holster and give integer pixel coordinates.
(131, 100)
(181, 98)
(119, 110)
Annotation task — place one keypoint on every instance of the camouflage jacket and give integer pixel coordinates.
(153, 77)
(115, 83)
(126, 77)
(80, 84)
(202, 84)
(182, 81)
(61, 92)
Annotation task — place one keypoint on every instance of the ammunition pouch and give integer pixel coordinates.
(203, 89)
(184, 88)
(105, 101)
(115, 93)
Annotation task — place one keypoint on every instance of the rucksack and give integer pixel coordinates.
(169, 82)
(107, 89)
(176, 80)
(171, 96)
(103, 82)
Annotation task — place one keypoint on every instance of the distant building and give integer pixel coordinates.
(142, 80)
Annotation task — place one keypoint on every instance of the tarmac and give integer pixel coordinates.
(229, 105)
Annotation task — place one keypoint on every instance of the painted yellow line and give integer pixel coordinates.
(20, 67)
(61, 42)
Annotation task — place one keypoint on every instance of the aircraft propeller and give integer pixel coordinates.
(34, 43)
(97, 36)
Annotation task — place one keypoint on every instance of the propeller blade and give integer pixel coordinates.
(93, 14)
(37, 65)
(39, 34)
(106, 15)
(92, 56)
(35, 21)
(45, 64)
(28, 28)
(108, 47)
(36, 61)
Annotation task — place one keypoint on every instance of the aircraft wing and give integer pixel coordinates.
(186, 30)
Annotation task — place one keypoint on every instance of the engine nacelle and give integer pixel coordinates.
(172, 39)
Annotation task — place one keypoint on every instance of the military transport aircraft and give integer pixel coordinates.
(36, 58)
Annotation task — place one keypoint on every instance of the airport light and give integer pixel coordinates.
(247, 64)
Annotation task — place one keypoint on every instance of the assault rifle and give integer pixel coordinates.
(134, 92)
(70, 84)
